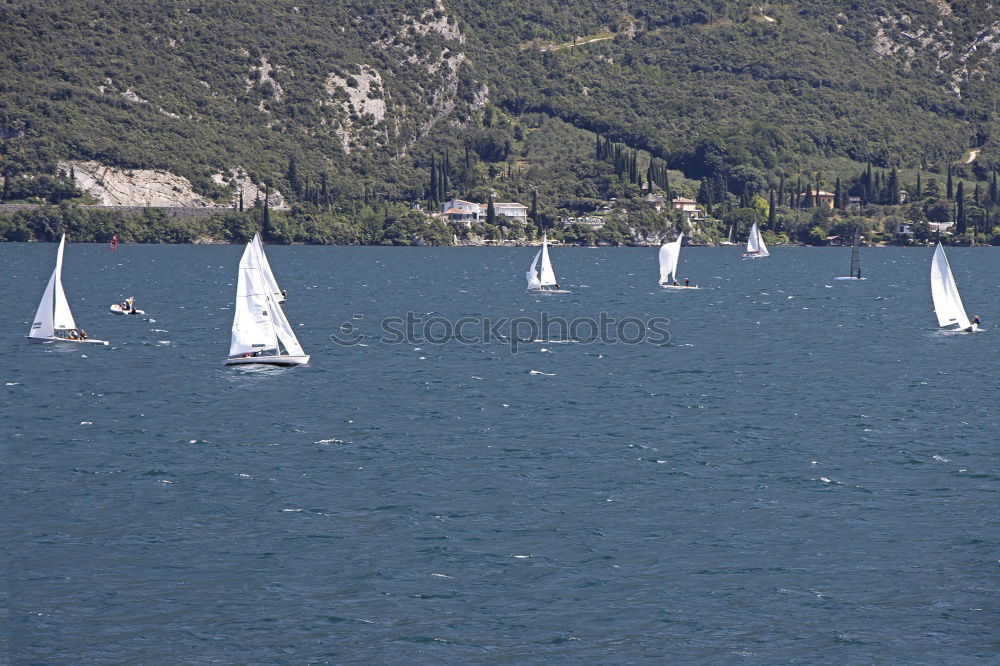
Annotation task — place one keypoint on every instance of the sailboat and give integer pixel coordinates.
(947, 303)
(265, 269)
(855, 262)
(53, 321)
(755, 245)
(260, 329)
(670, 254)
(541, 280)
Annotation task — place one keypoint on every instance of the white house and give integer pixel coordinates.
(515, 211)
(593, 221)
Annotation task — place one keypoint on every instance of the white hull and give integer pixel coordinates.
(755, 256)
(117, 309)
(68, 341)
(549, 291)
(679, 287)
(974, 328)
(283, 360)
(849, 278)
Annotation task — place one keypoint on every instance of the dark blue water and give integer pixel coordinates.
(807, 472)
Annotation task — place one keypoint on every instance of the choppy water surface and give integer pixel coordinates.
(807, 473)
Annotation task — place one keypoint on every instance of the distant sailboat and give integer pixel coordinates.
(265, 269)
(755, 245)
(541, 280)
(260, 329)
(54, 321)
(855, 262)
(947, 302)
(670, 254)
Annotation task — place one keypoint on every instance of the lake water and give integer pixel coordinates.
(808, 472)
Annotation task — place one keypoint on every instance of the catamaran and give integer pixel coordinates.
(260, 329)
(947, 303)
(54, 321)
(670, 254)
(855, 262)
(755, 245)
(265, 269)
(542, 280)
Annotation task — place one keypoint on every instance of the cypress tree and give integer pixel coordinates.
(770, 210)
(445, 171)
(241, 199)
(666, 182)
(781, 189)
(432, 188)
(293, 174)
(893, 188)
(976, 200)
(808, 203)
(491, 213)
(838, 196)
(534, 206)
(267, 211)
(920, 194)
(960, 223)
(994, 190)
(950, 192)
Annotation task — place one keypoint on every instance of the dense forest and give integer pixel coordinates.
(363, 113)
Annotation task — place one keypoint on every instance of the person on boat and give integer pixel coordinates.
(976, 321)
(687, 282)
(675, 284)
(557, 286)
(124, 306)
(284, 293)
(83, 334)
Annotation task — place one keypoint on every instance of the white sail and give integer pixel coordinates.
(670, 254)
(53, 312)
(284, 330)
(253, 328)
(548, 276)
(755, 243)
(265, 269)
(947, 303)
(532, 274)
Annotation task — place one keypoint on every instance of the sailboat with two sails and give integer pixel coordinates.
(53, 320)
(261, 333)
(947, 303)
(755, 245)
(542, 279)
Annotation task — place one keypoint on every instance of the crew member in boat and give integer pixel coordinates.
(976, 321)
(675, 284)
(687, 282)
(83, 334)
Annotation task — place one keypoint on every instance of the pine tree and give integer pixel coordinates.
(949, 190)
(960, 223)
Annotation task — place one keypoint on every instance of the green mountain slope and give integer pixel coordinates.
(366, 94)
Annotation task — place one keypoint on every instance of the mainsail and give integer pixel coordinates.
(548, 276)
(265, 269)
(947, 303)
(670, 253)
